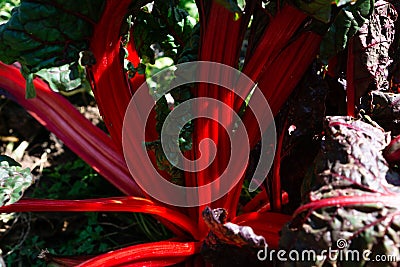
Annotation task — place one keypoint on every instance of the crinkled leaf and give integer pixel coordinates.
(351, 155)
(373, 49)
(384, 108)
(348, 21)
(373, 228)
(14, 180)
(42, 34)
(347, 198)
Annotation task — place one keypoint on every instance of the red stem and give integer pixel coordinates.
(256, 202)
(59, 116)
(281, 77)
(350, 88)
(392, 151)
(221, 39)
(163, 253)
(388, 200)
(276, 36)
(135, 83)
(116, 204)
(111, 88)
(267, 207)
(110, 84)
(276, 204)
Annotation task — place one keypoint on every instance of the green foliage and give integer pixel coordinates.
(337, 24)
(190, 7)
(176, 41)
(72, 180)
(161, 29)
(231, 5)
(27, 254)
(6, 7)
(322, 9)
(83, 234)
(14, 180)
(347, 22)
(245, 194)
(44, 34)
(151, 228)
(87, 240)
(65, 78)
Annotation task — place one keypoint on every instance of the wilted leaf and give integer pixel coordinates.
(373, 49)
(347, 199)
(384, 108)
(231, 233)
(228, 244)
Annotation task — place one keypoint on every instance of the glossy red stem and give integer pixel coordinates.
(163, 253)
(388, 200)
(276, 204)
(350, 88)
(110, 84)
(117, 204)
(59, 116)
(221, 39)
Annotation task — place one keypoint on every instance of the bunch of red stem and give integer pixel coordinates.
(277, 64)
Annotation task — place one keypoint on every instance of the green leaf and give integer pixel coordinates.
(322, 9)
(190, 7)
(6, 7)
(43, 34)
(232, 6)
(64, 78)
(164, 31)
(30, 88)
(14, 180)
(346, 24)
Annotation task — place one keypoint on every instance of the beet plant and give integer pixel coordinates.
(333, 181)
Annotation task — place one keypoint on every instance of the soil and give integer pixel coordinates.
(31, 144)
